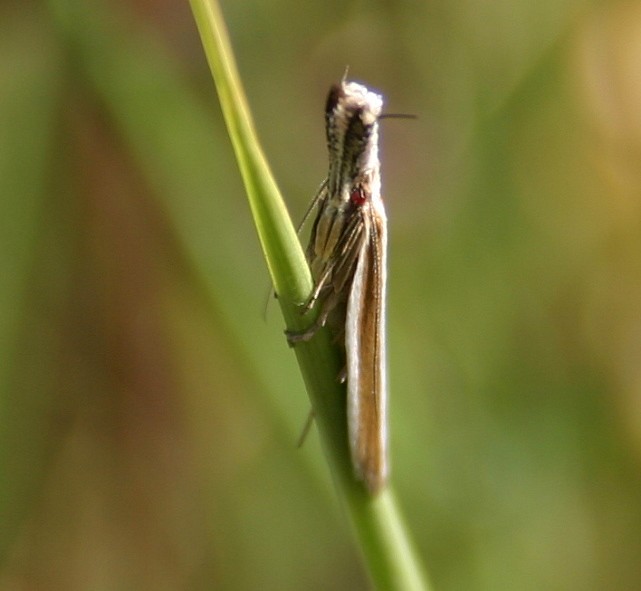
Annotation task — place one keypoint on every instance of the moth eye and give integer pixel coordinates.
(358, 196)
(336, 93)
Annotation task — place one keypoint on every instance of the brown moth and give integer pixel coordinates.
(347, 254)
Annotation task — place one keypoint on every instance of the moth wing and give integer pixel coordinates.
(366, 357)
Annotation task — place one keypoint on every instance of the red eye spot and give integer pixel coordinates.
(358, 196)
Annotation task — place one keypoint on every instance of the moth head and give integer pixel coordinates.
(351, 114)
(348, 99)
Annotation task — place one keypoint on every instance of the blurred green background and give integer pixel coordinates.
(149, 413)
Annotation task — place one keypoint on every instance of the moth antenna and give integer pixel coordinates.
(397, 116)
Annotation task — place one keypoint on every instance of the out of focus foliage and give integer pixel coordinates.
(148, 412)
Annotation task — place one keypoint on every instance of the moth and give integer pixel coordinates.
(347, 254)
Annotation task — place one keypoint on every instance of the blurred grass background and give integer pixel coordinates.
(148, 413)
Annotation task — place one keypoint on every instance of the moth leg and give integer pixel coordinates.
(328, 304)
(302, 336)
(308, 425)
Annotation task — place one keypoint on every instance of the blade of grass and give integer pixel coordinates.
(382, 536)
(29, 104)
